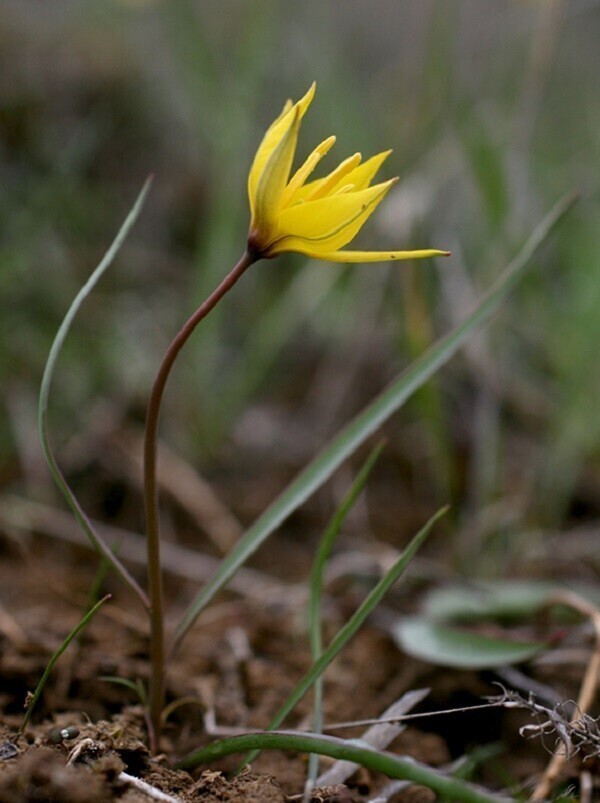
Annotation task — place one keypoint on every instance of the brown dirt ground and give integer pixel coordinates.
(239, 664)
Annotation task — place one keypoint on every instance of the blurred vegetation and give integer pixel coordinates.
(493, 112)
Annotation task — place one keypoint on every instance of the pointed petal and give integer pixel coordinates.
(362, 175)
(332, 181)
(303, 193)
(375, 256)
(343, 190)
(272, 138)
(305, 170)
(273, 180)
(286, 107)
(328, 224)
(319, 187)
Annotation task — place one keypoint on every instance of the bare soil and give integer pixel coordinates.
(236, 667)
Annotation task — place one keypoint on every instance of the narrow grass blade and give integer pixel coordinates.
(40, 687)
(367, 422)
(97, 582)
(356, 621)
(98, 543)
(380, 761)
(316, 591)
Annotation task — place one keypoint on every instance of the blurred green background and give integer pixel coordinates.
(493, 110)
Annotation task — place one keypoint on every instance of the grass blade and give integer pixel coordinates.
(73, 634)
(316, 590)
(391, 765)
(367, 422)
(96, 540)
(345, 633)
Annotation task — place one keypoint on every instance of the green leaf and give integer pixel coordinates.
(500, 599)
(448, 646)
(345, 750)
(97, 541)
(372, 417)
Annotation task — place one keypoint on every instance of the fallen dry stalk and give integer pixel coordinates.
(147, 789)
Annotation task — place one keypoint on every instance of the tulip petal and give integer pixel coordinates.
(273, 180)
(329, 223)
(328, 184)
(343, 190)
(362, 175)
(286, 108)
(375, 256)
(305, 170)
(271, 140)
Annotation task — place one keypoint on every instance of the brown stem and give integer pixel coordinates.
(151, 497)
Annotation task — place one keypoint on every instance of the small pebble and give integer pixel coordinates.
(57, 735)
(8, 750)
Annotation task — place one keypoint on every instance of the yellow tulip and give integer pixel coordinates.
(316, 218)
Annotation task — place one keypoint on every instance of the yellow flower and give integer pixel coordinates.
(316, 219)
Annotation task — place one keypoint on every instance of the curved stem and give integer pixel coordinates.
(151, 495)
